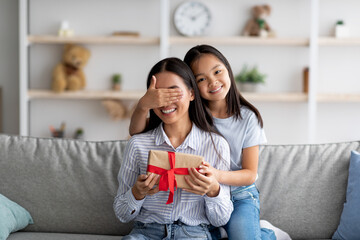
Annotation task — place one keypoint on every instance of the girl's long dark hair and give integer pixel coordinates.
(234, 100)
(198, 112)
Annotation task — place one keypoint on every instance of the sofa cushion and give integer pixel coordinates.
(302, 187)
(349, 227)
(68, 186)
(59, 236)
(13, 217)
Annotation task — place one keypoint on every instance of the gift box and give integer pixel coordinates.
(173, 167)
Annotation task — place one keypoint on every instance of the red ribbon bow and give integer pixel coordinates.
(167, 179)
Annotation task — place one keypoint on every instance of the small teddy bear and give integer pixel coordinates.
(69, 75)
(117, 109)
(257, 25)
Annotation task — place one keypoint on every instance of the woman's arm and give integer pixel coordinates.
(153, 98)
(132, 187)
(244, 177)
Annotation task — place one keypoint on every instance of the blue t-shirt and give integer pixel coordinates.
(241, 133)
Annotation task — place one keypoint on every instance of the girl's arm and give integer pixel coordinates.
(244, 177)
(153, 98)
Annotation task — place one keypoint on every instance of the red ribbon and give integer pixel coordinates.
(167, 179)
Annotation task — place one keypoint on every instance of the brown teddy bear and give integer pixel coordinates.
(257, 25)
(69, 75)
(118, 109)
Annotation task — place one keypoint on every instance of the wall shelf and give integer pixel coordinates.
(332, 41)
(238, 40)
(276, 97)
(336, 97)
(85, 94)
(52, 39)
(136, 95)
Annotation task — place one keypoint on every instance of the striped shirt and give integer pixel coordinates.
(189, 208)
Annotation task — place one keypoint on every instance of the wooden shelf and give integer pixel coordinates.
(332, 41)
(86, 94)
(49, 39)
(336, 97)
(135, 95)
(238, 40)
(275, 97)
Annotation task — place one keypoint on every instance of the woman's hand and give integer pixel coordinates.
(155, 98)
(202, 184)
(144, 186)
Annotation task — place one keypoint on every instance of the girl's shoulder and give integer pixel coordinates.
(246, 112)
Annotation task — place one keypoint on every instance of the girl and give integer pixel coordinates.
(241, 125)
(178, 127)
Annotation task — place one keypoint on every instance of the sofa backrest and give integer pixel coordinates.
(303, 187)
(66, 185)
(69, 185)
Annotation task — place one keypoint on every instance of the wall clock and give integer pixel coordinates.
(192, 18)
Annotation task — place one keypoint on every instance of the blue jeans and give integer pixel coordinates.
(177, 230)
(244, 223)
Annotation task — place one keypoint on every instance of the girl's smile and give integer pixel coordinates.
(217, 90)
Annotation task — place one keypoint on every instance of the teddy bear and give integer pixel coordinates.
(69, 74)
(118, 109)
(257, 25)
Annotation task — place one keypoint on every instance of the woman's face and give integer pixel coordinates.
(177, 111)
(212, 77)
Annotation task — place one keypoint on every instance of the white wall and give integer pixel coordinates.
(284, 122)
(9, 65)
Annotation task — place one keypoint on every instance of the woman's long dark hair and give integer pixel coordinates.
(234, 100)
(198, 112)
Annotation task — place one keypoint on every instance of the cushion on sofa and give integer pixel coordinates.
(349, 227)
(303, 187)
(68, 186)
(13, 217)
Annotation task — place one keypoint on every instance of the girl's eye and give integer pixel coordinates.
(218, 71)
(200, 80)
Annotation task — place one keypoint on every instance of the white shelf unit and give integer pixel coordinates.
(164, 42)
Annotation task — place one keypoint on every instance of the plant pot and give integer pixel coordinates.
(248, 87)
(341, 31)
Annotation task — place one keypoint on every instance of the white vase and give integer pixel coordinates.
(341, 31)
(248, 87)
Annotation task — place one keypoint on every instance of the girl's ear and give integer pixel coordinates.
(192, 95)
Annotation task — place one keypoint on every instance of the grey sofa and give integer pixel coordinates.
(68, 186)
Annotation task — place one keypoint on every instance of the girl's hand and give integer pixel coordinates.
(202, 184)
(144, 186)
(206, 169)
(155, 98)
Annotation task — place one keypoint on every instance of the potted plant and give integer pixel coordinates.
(116, 82)
(341, 30)
(248, 79)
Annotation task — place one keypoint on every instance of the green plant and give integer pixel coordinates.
(250, 76)
(116, 78)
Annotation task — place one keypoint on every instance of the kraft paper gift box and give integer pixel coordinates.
(183, 161)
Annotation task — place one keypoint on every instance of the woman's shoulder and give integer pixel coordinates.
(210, 137)
(141, 138)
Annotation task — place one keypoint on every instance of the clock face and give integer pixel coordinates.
(192, 18)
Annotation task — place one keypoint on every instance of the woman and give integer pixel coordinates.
(182, 126)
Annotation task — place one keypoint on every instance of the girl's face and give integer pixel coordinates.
(212, 77)
(177, 111)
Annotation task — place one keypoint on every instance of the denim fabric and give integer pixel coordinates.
(178, 230)
(244, 223)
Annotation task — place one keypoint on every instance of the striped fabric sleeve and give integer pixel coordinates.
(126, 207)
